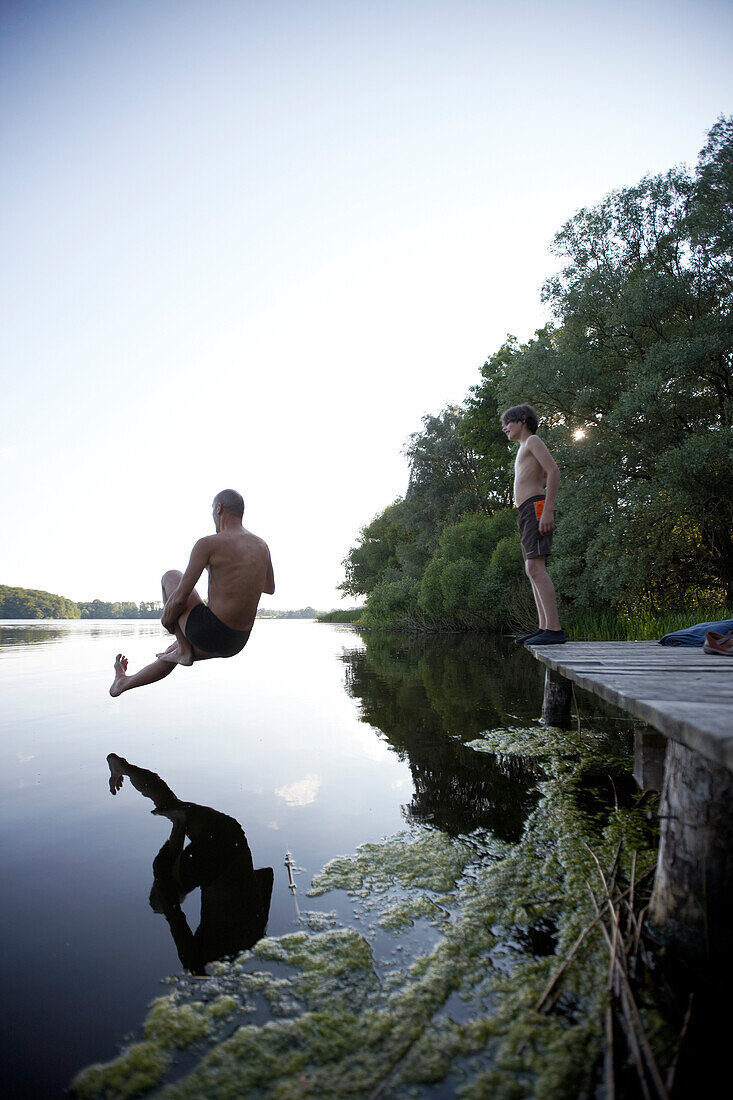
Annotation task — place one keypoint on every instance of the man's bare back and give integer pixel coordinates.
(240, 570)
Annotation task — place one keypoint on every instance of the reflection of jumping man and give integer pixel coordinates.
(240, 570)
(235, 899)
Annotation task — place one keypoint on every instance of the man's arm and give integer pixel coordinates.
(177, 600)
(539, 450)
(270, 577)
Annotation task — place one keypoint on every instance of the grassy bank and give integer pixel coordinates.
(587, 626)
(352, 615)
(638, 626)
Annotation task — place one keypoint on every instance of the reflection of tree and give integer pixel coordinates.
(30, 635)
(429, 696)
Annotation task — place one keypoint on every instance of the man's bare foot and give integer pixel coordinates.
(116, 776)
(118, 684)
(177, 655)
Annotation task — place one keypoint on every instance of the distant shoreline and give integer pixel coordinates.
(135, 618)
(34, 604)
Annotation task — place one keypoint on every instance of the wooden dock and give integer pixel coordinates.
(684, 693)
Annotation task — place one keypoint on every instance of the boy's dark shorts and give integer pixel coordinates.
(534, 545)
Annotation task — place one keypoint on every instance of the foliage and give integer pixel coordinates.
(100, 609)
(425, 561)
(634, 383)
(28, 603)
(31, 603)
(469, 579)
(301, 613)
(466, 584)
(445, 483)
(341, 615)
(375, 556)
(392, 601)
(444, 470)
(481, 428)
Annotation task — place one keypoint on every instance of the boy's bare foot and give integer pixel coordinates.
(120, 675)
(115, 773)
(177, 655)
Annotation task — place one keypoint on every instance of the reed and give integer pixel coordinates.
(639, 625)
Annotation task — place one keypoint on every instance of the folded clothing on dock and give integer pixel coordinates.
(695, 635)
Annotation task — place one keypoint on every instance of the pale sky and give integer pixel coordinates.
(250, 245)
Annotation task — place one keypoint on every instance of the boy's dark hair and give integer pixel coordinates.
(524, 414)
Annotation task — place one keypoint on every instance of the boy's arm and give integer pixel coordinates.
(177, 600)
(539, 450)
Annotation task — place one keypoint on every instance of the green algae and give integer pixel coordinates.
(429, 860)
(404, 913)
(544, 743)
(342, 1021)
(176, 1025)
(328, 953)
(222, 1008)
(137, 1070)
(317, 921)
(533, 741)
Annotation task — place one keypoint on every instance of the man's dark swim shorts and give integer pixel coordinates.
(211, 635)
(534, 545)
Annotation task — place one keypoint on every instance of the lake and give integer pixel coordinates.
(318, 740)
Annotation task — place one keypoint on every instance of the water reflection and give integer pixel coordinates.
(430, 697)
(30, 635)
(35, 632)
(235, 899)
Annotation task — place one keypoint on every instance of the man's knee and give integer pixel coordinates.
(170, 580)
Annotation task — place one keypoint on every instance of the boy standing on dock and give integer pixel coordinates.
(536, 478)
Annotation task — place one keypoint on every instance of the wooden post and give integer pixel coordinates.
(650, 749)
(692, 898)
(556, 701)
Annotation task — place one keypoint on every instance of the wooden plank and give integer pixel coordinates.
(683, 693)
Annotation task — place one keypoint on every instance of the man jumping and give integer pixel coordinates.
(240, 570)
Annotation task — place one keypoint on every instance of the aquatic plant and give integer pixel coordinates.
(478, 930)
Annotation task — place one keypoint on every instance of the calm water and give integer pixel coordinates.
(314, 740)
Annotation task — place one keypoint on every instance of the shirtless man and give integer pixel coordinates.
(239, 569)
(536, 478)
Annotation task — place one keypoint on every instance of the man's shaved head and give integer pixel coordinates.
(231, 501)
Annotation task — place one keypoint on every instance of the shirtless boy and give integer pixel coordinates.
(536, 478)
(240, 570)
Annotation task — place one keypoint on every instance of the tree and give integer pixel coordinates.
(481, 430)
(444, 469)
(32, 603)
(374, 556)
(444, 483)
(640, 360)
